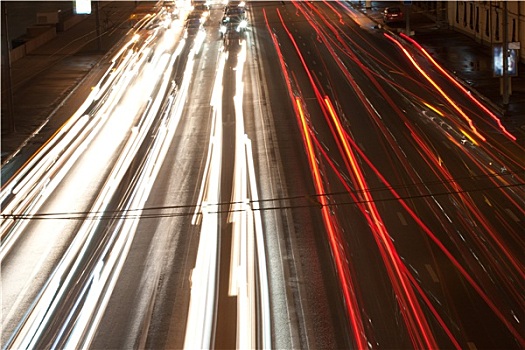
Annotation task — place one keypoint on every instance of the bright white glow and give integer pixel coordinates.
(264, 288)
(199, 39)
(55, 156)
(202, 301)
(128, 84)
(119, 252)
(82, 7)
(216, 137)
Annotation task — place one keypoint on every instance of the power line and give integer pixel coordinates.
(310, 201)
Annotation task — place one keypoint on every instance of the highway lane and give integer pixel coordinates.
(135, 265)
(424, 153)
(165, 317)
(79, 179)
(151, 297)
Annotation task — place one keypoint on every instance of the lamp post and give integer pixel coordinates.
(97, 25)
(7, 84)
(408, 6)
(505, 74)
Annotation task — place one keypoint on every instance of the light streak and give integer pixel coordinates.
(33, 180)
(467, 201)
(203, 279)
(86, 327)
(391, 258)
(245, 228)
(340, 259)
(59, 282)
(467, 135)
(402, 266)
(440, 245)
(216, 137)
(414, 320)
(461, 87)
(436, 86)
(333, 235)
(266, 338)
(434, 109)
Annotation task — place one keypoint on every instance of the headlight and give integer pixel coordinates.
(222, 29)
(243, 24)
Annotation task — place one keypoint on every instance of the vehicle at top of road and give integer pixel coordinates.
(235, 24)
(234, 11)
(172, 8)
(197, 17)
(200, 5)
(234, 19)
(393, 15)
(234, 5)
(201, 8)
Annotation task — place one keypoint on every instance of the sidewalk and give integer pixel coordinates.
(45, 82)
(465, 58)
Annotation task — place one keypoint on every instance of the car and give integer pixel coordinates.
(201, 8)
(234, 5)
(234, 11)
(232, 24)
(200, 5)
(393, 15)
(234, 19)
(193, 23)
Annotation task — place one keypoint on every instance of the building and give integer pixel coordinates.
(482, 20)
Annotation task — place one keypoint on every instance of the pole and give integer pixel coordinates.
(407, 21)
(97, 20)
(7, 83)
(505, 57)
(408, 6)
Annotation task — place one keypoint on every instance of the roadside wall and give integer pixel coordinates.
(30, 45)
(40, 39)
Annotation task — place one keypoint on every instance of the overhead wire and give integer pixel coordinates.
(310, 201)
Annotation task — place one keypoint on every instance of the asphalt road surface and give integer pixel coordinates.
(309, 182)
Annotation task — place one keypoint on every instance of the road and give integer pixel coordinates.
(312, 182)
(174, 158)
(414, 168)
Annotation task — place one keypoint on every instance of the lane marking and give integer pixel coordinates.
(432, 273)
(471, 345)
(512, 215)
(402, 219)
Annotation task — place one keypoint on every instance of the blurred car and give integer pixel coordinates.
(232, 24)
(234, 19)
(393, 15)
(234, 11)
(193, 23)
(201, 8)
(200, 5)
(235, 5)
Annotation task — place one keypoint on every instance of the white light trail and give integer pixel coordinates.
(203, 279)
(85, 329)
(216, 103)
(264, 295)
(58, 284)
(55, 158)
(247, 235)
